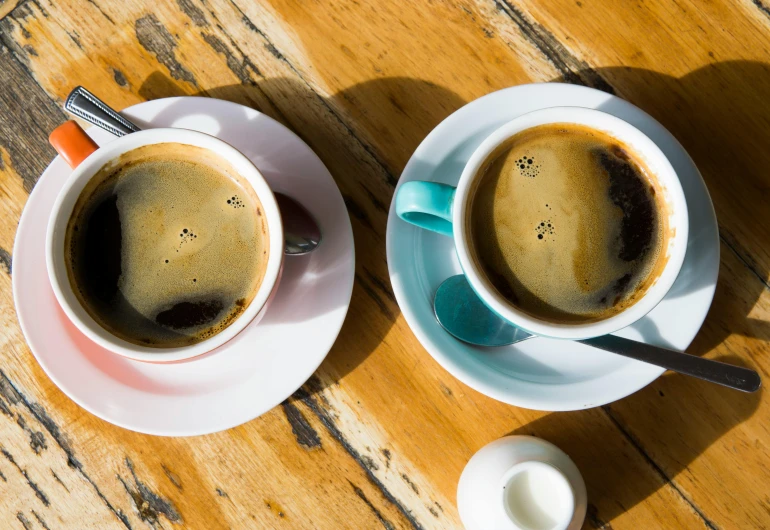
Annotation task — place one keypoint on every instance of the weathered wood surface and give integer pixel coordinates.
(379, 436)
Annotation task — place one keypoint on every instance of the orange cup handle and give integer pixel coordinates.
(72, 143)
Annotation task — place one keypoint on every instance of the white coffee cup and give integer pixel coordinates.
(443, 209)
(91, 163)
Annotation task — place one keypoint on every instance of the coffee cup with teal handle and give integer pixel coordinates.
(443, 209)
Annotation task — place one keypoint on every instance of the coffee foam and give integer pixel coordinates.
(193, 244)
(546, 230)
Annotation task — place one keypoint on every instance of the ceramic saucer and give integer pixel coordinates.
(541, 373)
(247, 376)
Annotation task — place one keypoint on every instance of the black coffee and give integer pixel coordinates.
(166, 246)
(567, 224)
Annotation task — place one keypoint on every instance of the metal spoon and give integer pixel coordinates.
(461, 312)
(301, 232)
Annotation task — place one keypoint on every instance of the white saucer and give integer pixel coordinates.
(247, 376)
(540, 373)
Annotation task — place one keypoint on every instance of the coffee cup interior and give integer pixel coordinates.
(232, 218)
(421, 201)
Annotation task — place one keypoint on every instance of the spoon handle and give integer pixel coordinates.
(85, 105)
(714, 371)
(302, 234)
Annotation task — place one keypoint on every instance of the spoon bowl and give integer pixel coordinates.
(463, 315)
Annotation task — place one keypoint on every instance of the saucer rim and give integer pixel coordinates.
(212, 426)
(488, 380)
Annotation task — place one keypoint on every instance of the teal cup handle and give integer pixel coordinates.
(427, 205)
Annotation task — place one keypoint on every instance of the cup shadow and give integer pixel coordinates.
(615, 489)
(703, 110)
(379, 142)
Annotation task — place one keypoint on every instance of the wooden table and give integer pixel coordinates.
(379, 435)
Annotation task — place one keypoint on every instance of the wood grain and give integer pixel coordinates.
(378, 437)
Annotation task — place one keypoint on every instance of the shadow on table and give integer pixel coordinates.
(364, 134)
(719, 113)
(621, 472)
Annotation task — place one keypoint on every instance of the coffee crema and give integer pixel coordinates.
(567, 224)
(166, 246)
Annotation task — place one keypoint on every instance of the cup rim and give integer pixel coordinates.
(62, 210)
(658, 163)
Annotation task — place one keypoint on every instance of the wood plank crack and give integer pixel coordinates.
(26, 523)
(40, 520)
(306, 436)
(173, 477)
(6, 261)
(222, 493)
(592, 516)
(375, 297)
(149, 505)
(762, 7)
(12, 394)
(666, 479)
(119, 77)
(383, 286)
(193, 11)
(36, 438)
(5, 409)
(409, 482)
(156, 39)
(571, 68)
(33, 485)
(361, 495)
(744, 260)
(75, 37)
(239, 68)
(376, 202)
(105, 15)
(304, 394)
(357, 211)
(24, 106)
(59, 480)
